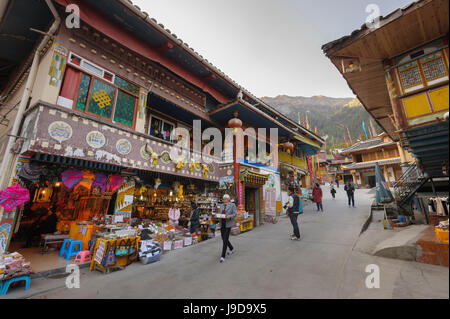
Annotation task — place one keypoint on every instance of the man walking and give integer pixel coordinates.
(293, 209)
(350, 189)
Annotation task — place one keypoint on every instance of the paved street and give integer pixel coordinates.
(267, 264)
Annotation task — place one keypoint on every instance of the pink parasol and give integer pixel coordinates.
(71, 177)
(13, 196)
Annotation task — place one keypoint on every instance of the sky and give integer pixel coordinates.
(269, 47)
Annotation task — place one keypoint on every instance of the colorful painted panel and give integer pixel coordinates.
(142, 103)
(5, 230)
(125, 198)
(83, 92)
(416, 105)
(433, 66)
(439, 99)
(102, 98)
(57, 66)
(124, 111)
(123, 84)
(410, 75)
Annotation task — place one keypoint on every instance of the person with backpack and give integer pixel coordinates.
(350, 189)
(293, 210)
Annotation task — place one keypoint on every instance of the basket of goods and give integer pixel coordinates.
(161, 238)
(442, 232)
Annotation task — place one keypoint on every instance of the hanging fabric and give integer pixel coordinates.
(100, 181)
(71, 177)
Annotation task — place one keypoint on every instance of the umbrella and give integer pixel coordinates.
(115, 182)
(384, 195)
(100, 181)
(13, 196)
(71, 177)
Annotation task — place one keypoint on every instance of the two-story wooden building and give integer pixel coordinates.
(398, 68)
(104, 97)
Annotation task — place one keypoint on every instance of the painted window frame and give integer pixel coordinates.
(104, 80)
(152, 116)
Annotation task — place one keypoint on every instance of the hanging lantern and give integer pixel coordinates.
(289, 147)
(235, 123)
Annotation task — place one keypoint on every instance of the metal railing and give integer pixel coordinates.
(410, 181)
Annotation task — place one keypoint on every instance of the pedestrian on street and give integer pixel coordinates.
(350, 189)
(317, 196)
(293, 210)
(333, 192)
(228, 209)
(195, 218)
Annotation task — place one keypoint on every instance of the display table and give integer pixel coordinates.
(83, 232)
(245, 224)
(114, 253)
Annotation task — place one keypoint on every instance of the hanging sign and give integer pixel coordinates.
(100, 252)
(95, 139)
(60, 131)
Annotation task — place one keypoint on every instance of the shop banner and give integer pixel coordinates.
(270, 201)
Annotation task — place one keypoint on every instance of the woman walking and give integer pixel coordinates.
(317, 196)
(195, 218)
(228, 209)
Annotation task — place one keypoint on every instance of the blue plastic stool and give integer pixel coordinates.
(74, 247)
(65, 246)
(4, 285)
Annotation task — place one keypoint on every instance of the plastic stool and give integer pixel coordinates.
(83, 256)
(75, 246)
(65, 246)
(4, 286)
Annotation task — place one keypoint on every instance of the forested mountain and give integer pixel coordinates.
(331, 116)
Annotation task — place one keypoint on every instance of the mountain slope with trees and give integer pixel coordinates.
(331, 116)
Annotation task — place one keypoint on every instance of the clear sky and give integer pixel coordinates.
(270, 47)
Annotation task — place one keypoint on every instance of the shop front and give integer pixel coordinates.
(97, 183)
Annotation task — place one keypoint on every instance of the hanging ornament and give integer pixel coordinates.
(289, 147)
(180, 162)
(205, 170)
(235, 123)
(157, 183)
(192, 165)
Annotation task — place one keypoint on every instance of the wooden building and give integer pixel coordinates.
(398, 67)
(108, 94)
(365, 154)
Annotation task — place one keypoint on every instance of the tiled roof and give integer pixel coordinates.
(365, 145)
(395, 160)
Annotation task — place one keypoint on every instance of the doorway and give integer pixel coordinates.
(252, 203)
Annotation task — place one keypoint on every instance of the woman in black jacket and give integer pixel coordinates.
(195, 218)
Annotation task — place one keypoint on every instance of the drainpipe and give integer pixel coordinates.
(4, 174)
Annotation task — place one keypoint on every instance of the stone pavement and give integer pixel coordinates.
(267, 264)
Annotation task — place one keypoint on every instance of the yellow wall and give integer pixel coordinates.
(292, 160)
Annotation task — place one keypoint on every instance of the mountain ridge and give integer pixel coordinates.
(332, 116)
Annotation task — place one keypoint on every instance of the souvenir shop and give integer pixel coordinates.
(115, 214)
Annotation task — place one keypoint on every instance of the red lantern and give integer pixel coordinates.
(235, 123)
(289, 147)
